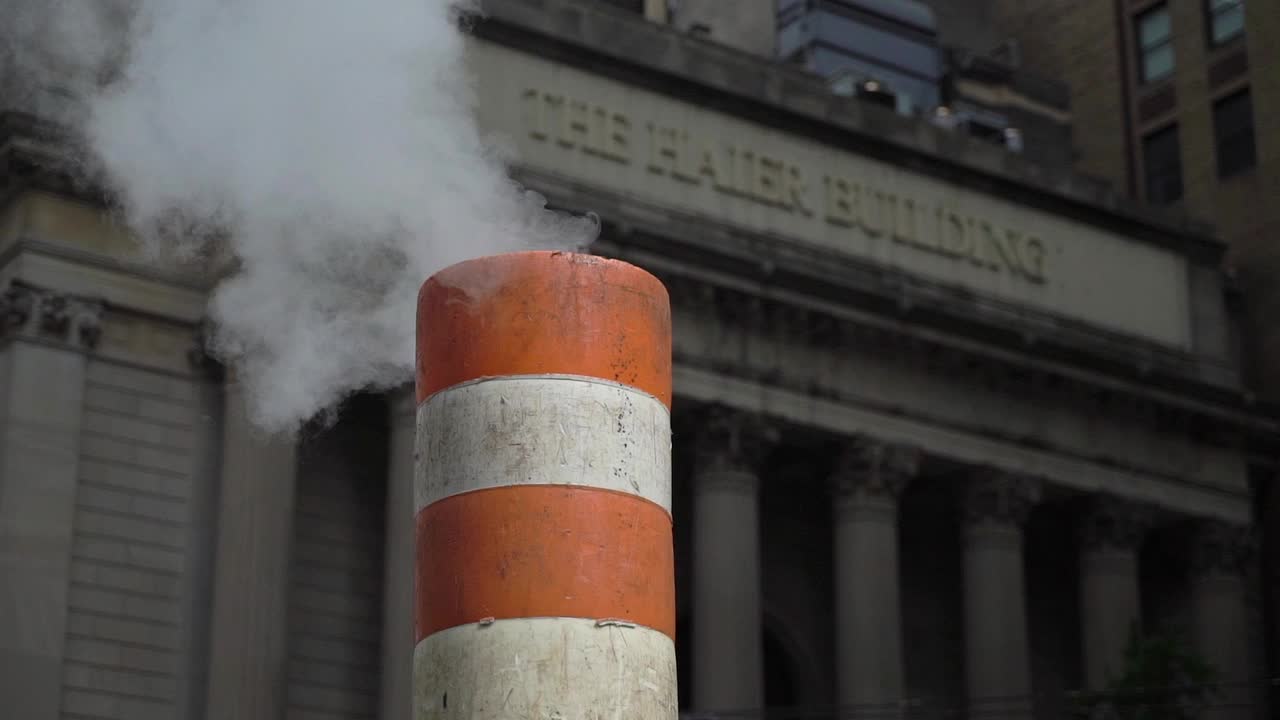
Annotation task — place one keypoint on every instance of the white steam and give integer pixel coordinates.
(329, 144)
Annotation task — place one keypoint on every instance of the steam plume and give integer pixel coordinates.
(328, 144)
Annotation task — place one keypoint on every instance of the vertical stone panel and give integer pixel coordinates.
(398, 572)
(46, 336)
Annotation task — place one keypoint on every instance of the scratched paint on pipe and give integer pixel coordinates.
(539, 312)
(545, 669)
(543, 430)
(544, 551)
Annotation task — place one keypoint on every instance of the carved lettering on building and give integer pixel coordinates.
(667, 150)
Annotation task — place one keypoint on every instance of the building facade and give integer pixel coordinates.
(947, 424)
(1183, 99)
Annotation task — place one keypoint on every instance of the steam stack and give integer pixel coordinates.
(545, 579)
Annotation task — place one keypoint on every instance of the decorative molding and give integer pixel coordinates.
(1111, 523)
(51, 316)
(1220, 548)
(730, 443)
(996, 497)
(870, 469)
(735, 307)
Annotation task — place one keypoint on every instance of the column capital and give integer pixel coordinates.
(868, 468)
(1221, 548)
(731, 441)
(1112, 523)
(32, 312)
(998, 497)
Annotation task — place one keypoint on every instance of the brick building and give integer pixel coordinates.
(1183, 107)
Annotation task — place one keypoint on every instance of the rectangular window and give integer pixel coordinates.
(1162, 165)
(1225, 19)
(1155, 43)
(1233, 133)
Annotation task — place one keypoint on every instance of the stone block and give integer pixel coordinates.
(125, 577)
(152, 635)
(157, 483)
(124, 553)
(99, 524)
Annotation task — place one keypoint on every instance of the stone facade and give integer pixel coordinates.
(893, 490)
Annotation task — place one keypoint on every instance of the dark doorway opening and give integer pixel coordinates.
(779, 673)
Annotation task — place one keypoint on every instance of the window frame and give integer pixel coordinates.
(1252, 162)
(1145, 142)
(1210, 14)
(1143, 51)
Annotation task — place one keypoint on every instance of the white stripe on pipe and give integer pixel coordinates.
(543, 430)
(545, 669)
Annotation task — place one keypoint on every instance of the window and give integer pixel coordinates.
(1233, 133)
(1155, 44)
(1162, 166)
(1225, 20)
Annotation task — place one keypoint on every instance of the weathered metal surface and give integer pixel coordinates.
(545, 669)
(553, 430)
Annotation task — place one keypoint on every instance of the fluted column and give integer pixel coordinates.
(728, 652)
(1219, 558)
(997, 654)
(1109, 534)
(868, 479)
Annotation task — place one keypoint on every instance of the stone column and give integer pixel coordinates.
(249, 630)
(728, 646)
(997, 654)
(868, 479)
(1110, 533)
(397, 602)
(1219, 559)
(42, 375)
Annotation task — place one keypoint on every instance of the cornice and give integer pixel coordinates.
(813, 327)
(878, 307)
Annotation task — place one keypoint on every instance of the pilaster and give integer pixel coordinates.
(398, 593)
(46, 339)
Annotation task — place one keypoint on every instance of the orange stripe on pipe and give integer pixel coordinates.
(544, 551)
(535, 313)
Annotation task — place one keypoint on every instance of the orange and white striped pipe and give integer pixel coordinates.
(545, 584)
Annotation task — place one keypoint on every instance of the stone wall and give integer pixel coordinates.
(134, 647)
